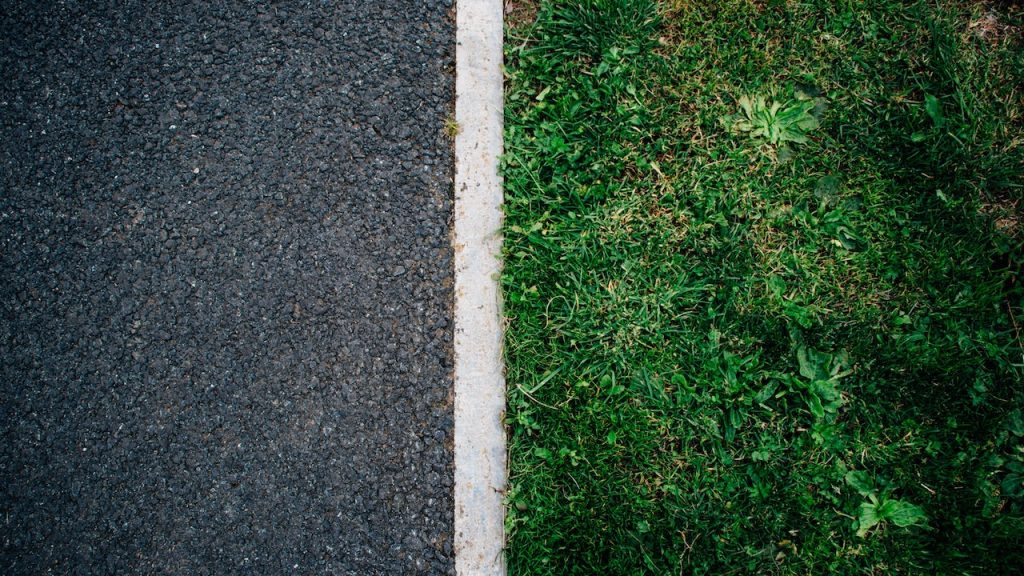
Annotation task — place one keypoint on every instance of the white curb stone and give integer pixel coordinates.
(480, 456)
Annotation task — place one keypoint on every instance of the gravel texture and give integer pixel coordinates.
(226, 287)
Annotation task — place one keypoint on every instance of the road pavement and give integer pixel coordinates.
(226, 287)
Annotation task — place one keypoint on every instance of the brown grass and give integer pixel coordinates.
(1007, 215)
(520, 13)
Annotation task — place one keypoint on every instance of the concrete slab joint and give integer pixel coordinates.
(480, 456)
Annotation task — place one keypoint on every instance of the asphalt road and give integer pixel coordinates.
(225, 287)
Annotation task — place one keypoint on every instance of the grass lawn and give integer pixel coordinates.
(763, 287)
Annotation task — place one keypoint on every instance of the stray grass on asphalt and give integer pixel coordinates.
(762, 280)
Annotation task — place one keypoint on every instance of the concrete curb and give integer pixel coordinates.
(479, 377)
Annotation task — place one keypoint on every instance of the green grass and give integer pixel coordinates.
(727, 353)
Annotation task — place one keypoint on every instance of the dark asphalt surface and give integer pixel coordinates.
(226, 284)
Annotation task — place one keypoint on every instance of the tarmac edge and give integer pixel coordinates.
(480, 453)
